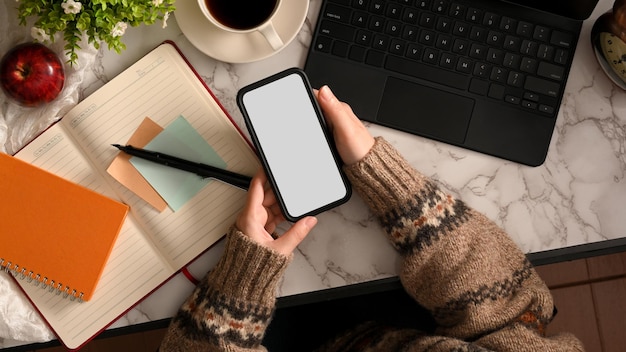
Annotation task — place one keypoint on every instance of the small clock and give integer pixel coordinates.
(608, 37)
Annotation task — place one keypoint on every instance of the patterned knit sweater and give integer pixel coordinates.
(477, 284)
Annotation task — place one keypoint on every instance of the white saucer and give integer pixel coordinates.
(234, 47)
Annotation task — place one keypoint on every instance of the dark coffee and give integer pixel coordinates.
(241, 14)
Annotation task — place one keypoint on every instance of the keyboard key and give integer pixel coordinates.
(323, 44)
(376, 23)
(377, 6)
(393, 28)
(474, 15)
(444, 24)
(337, 30)
(541, 33)
(440, 6)
(495, 56)
(512, 99)
(393, 11)
(478, 51)
(512, 60)
(498, 74)
(359, 4)
(457, 10)
(460, 46)
(397, 46)
(516, 79)
(478, 34)
(542, 86)
(364, 37)
(529, 48)
(427, 37)
(464, 65)
(479, 86)
(338, 13)
(380, 42)
(529, 104)
(531, 96)
(561, 39)
(448, 61)
(443, 42)
(546, 109)
(495, 38)
(561, 56)
(340, 48)
(427, 20)
(414, 51)
(409, 33)
(512, 43)
(508, 24)
(461, 29)
(357, 53)
(496, 91)
(422, 4)
(431, 56)
(427, 72)
(529, 65)
(410, 15)
(482, 70)
(550, 71)
(375, 58)
(545, 52)
(491, 20)
(360, 19)
(525, 29)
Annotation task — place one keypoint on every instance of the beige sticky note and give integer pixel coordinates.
(124, 172)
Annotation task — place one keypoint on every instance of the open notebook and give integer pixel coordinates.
(152, 245)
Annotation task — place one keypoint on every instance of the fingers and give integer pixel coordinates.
(256, 190)
(337, 111)
(291, 239)
(352, 139)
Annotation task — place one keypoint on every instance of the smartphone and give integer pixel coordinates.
(296, 149)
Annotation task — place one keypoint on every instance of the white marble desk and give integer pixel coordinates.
(573, 204)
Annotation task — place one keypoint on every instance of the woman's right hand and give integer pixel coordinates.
(352, 139)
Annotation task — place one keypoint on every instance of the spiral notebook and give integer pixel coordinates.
(153, 245)
(55, 234)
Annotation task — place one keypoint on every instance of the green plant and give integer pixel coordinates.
(101, 20)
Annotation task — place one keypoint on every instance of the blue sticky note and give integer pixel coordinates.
(178, 139)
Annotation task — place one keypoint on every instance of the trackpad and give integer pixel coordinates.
(425, 111)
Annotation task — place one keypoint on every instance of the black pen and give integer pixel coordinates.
(200, 169)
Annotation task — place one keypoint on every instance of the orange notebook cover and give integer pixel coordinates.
(55, 233)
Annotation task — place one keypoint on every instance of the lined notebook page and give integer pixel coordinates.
(133, 268)
(160, 86)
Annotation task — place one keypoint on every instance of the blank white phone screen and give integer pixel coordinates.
(294, 146)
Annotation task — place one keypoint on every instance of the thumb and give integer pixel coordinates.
(331, 106)
(291, 239)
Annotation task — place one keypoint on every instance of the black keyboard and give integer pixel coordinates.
(452, 43)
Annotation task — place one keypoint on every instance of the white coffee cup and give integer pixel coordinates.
(236, 20)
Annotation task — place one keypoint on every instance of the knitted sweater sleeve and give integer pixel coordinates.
(231, 307)
(463, 268)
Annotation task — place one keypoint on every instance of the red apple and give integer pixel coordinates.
(31, 74)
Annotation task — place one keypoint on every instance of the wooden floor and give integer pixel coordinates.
(590, 295)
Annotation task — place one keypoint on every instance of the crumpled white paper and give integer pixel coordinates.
(18, 125)
(18, 320)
